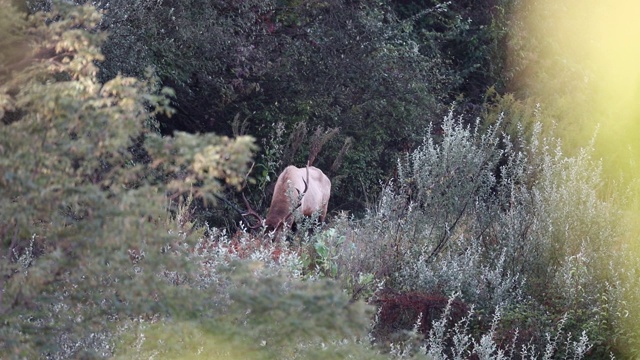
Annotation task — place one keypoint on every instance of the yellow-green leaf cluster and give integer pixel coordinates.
(80, 208)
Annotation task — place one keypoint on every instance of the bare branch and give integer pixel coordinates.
(318, 140)
(296, 139)
(338, 161)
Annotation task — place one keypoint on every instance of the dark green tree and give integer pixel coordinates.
(472, 38)
(330, 64)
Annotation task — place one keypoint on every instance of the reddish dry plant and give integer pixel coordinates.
(242, 245)
(400, 312)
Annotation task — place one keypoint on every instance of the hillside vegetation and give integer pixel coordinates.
(461, 225)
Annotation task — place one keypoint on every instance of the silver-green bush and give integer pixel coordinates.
(515, 227)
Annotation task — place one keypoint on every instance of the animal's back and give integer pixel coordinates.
(316, 194)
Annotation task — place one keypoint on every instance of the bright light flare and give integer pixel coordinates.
(587, 74)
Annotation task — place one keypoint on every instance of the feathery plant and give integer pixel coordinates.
(458, 341)
(521, 228)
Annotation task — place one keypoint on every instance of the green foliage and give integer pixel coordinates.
(276, 310)
(201, 160)
(332, 64)
(471, 36)
(547, 65)
(523, 230)
(81, 246)
(269, 315)
(164, 340)
(325, 245)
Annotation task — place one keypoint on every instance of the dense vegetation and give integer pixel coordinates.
(460, 226)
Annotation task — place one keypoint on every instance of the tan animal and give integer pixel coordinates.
(298, 190)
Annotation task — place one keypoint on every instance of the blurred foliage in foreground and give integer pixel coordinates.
(84, 179)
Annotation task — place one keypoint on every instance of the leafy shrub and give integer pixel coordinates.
(471, 35)
(81, 213)
(557, 343)
(260, 304)
(526, 230)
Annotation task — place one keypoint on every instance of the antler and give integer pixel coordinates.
(306, 186)
(251, 212)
